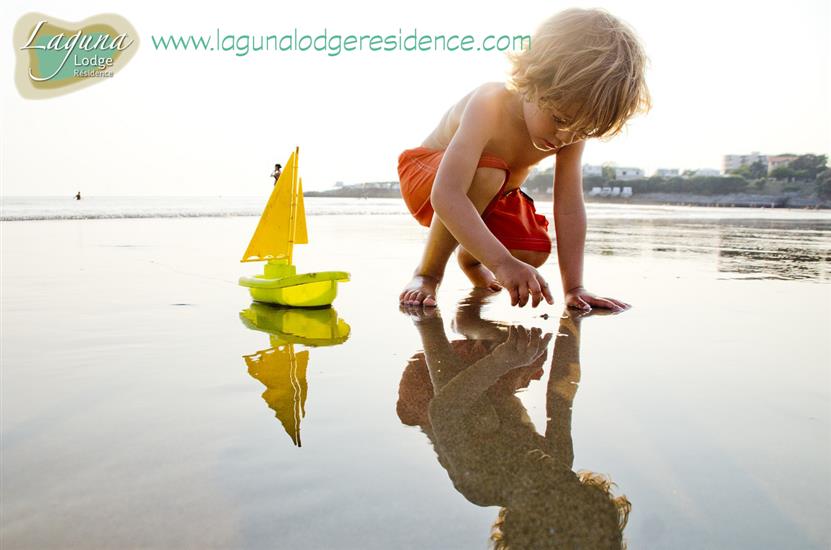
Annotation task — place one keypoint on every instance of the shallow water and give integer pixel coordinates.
(140, 409)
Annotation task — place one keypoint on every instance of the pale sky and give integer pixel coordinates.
(726, 77)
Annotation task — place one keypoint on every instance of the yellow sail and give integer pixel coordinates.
(283, 373)
(283, 221)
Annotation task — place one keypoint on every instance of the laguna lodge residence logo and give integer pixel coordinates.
(56, 57)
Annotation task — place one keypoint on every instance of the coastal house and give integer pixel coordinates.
(667, 173)
(706, 173)
(775, 161)
(627, 173)
(592, 170)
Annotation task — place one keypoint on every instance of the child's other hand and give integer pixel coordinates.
(521, 281)
(582, 299)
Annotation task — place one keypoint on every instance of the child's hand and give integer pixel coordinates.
(521, 281)
(521, 348)
(582, 299)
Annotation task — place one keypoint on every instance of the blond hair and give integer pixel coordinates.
(589, 60)
(568, 509)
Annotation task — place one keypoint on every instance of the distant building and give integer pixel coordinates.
(626, 173)
(734, 162)
(591, 170)
(371, 185)
(625, 192)
(775, 161)
(378, 185)
(667, 173)
(706, 173)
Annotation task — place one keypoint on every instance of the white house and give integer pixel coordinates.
(381, 185)
(626, 173)
(706, 172)
(667, 172)
(591, 170)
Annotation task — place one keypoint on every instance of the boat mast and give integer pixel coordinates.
(293, 208)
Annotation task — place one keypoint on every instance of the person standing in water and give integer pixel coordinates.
(78, 196)
(278, 169)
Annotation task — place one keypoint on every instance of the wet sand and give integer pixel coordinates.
(138, 409)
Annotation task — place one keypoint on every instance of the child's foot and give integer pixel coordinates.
(420, 291)
(481, 276)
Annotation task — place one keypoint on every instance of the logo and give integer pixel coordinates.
(56, 57)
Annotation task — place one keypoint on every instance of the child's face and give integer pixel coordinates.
(545, 127)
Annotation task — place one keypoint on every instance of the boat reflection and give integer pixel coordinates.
(462, 394)
(280, 368)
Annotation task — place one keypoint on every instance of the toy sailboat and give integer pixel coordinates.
(282, 225)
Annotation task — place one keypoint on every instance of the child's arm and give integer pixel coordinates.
(458, 214)
(562, 387)
(570, 226)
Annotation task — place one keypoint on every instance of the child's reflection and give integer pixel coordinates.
(462, 395)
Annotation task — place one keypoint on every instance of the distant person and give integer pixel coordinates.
(278, 169)
(78, 196)
(582, 77)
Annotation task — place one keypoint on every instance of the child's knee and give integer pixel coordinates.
(530, 257)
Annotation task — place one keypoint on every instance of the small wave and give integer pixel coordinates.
(41, 216)
(106, 208)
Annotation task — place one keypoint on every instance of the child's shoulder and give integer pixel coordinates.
(485, 106)
(496, 93)
(489, 100)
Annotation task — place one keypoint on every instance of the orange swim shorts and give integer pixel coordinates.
(510, 216)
